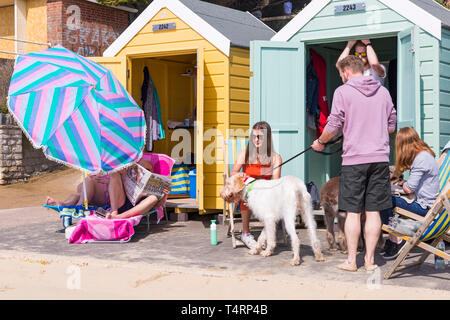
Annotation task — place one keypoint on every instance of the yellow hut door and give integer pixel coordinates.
(199, 129)
(118, 66)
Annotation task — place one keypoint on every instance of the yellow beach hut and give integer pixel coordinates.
(197, 55)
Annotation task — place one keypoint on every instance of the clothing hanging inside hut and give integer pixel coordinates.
(152, 111)
(392, 78)
(312, 97)
(322, 101)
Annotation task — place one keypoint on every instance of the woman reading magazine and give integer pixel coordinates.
(121, 206)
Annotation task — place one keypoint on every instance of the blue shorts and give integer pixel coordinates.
(401, 203)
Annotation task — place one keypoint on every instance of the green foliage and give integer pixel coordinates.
(4, 108)
(444, 3)
(131, 3)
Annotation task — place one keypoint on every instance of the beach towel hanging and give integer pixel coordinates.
(152, 111)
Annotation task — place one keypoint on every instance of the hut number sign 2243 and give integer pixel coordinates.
(350, 7)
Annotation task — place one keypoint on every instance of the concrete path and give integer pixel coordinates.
(185, 246)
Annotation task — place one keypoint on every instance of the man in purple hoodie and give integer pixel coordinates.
(363, 110)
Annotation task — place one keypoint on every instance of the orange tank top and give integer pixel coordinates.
(254, 170)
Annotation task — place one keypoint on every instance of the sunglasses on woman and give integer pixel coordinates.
(362, 54)
(257, 136)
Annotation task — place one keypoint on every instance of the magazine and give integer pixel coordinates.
(139, 182)
(397, 191)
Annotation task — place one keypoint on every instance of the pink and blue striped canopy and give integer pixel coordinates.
(76, 110)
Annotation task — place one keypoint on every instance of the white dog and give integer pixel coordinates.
(271, 201)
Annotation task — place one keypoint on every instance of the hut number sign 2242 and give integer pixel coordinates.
(163, 26)
(350, 7)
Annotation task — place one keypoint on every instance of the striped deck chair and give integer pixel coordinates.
(441, 160)
(435, 224)
(231, 150)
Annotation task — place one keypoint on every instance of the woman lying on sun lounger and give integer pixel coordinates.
(108, 190)
(121, 207)
(97, 193)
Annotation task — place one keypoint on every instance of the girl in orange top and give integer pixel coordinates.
(257, 158)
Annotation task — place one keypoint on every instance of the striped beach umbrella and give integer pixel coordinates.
(76, 111)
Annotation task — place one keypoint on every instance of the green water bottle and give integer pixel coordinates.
(213, 229)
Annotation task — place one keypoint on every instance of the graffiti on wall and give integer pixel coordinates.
(86, 38)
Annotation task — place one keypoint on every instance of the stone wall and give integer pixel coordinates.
(19, 161)
(6, 70)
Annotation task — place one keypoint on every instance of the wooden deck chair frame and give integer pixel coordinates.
(441, 203)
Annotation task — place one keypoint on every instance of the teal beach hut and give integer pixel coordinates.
(411, 39)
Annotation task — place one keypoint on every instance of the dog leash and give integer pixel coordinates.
(299, 154)
(251, 183)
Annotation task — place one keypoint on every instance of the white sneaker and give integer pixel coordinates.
(249, 240)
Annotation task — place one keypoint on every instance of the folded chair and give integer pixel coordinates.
(441, 160)
(162, 164)
(435, 224)
(231, 150)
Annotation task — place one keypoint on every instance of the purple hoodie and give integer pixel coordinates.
(364, 110)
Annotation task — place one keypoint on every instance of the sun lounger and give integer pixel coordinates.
(162, 164)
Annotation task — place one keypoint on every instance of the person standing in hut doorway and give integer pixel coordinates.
(364, 50)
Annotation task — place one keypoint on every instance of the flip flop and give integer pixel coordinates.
(347, 267)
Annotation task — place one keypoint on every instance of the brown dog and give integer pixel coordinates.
(329, 200)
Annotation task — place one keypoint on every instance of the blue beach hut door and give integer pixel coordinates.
(277, 93)
(408, 85)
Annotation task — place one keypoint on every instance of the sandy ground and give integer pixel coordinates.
(32, 276)
(84, 272)
(58, 184)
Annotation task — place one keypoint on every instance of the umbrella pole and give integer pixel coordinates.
(85, 193)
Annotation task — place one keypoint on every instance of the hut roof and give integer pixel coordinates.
(223, 27)
(238, 26)
(435, 9)
(426, 14)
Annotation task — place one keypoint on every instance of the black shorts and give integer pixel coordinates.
(127, 205)
(365, 187)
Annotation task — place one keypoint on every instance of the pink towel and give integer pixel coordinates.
(93, 228)
(160, 212)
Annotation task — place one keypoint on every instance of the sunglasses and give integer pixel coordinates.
(362, 54)
(257, 136)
